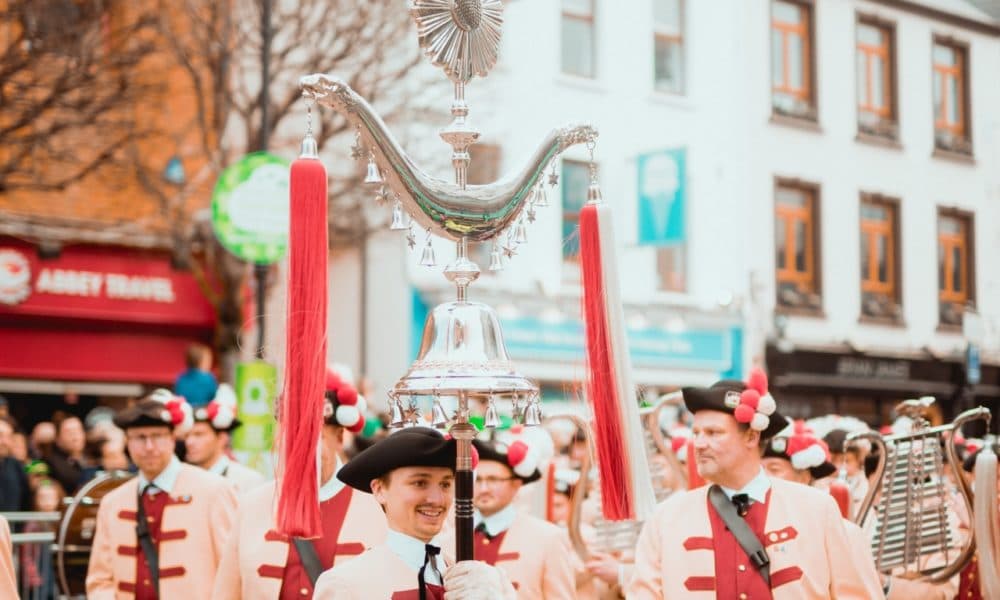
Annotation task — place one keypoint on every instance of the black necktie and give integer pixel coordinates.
(481, 528)
(742, 502)
(430, 557)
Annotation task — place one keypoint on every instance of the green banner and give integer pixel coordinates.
(256, 392)
(250, 208)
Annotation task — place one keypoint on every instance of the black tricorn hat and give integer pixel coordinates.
(161, 408)
(777, 447)
(410, 447)
(727, 396)
(499, 452)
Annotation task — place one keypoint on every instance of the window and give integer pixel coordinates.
(792, 59)
(951, 86)
(484, 168)
(575, 181)
(578, 37)
(955, 270)
(876, 74)
(796, 245)
(670, 268)
(879, 258)
(668, 46)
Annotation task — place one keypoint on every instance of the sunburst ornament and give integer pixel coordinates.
(461, 36)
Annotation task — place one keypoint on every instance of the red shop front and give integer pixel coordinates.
(95, 321)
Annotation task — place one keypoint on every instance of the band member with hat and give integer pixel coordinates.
(160, 534)
(208, 439)
(535, 554)
(744, 535)
(8, 581)
(411, 474)
(260, 564)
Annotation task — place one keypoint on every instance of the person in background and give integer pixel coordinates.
(197, 384)
(43, 435)
(66, 460)
(19, 447)
(36, 565)
(15, 494)
(208, 440)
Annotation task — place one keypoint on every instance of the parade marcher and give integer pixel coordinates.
(411, 474)
(535, 554)
(209, 437)
(743, 536)
(160, 534)
(260, 564)
(8, 581)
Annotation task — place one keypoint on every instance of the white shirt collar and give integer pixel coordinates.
(332, 487)
(498, 522)
(411, 551)
(756, 489)
(220, 466)
(166, 479)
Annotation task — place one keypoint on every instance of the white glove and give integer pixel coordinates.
(475, 580)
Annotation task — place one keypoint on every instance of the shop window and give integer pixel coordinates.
(956, 275)
(796, 245)
(484, 168)
(670, 267)
(578, 55)
(952, 130)
(879, 235)
(575, 181)
(876, 75)
(668, 46)
(792, 64)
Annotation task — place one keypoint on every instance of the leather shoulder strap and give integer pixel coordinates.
(309, 557)
(146, 543)
(745, 537)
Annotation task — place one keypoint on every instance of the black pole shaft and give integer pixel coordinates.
(463, 516)
(260, 271)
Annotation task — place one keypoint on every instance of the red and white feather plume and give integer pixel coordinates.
(626, 491)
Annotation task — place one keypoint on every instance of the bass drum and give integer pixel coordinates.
(76, 531)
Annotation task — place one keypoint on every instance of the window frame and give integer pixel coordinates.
(967, 218)
(591, 19)
(574, 216)
(678, 38)
(894, 294)
(814, 254)
(811, 114)
(961, 143)
(889, 123)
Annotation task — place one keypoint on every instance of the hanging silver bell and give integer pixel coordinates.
(496, 263)
(532, 414)
(427, 258)
(516, 406)
(492, 419)
(398, 217)
(520, 232)
(594, 193)
(396, 420)
(541, 199)
(438, 417)
(373, 175)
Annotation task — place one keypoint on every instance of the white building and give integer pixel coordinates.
(753, 120)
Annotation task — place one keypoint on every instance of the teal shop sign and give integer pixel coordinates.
(662, 196)
(530, 338)
(250, 208)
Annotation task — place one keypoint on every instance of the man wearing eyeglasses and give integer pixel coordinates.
(536, 555)
(160, 534)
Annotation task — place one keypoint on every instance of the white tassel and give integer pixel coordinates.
(987, 528)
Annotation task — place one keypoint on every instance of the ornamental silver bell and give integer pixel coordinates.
(373, 175)
(492, 419)
(398, 217)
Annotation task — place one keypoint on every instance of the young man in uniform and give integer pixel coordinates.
(160, 534)
(259, 564)
(700, 543)
(208, 439)
(411, 474)
(535, 554)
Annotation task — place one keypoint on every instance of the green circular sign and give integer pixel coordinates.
(250, 208)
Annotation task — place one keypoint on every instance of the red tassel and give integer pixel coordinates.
(305, 355)
(694, 478)
(612, 453)
(842, 494)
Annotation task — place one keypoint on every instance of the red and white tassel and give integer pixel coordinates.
(626, 491)
(305, 356)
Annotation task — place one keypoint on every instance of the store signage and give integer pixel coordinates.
(109, 285)
(871, 368)
(662, 189)
(530, 338)
(250, 208)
